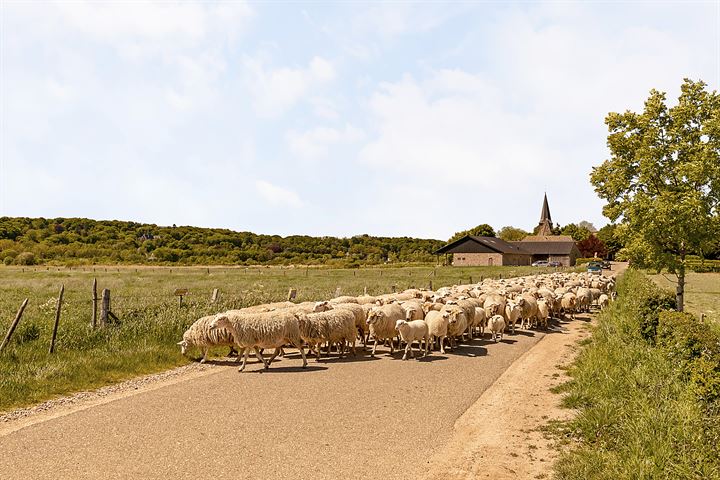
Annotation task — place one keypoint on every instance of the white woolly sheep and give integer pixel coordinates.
(382, 323)
(437, 323)
(200, 335)
(335, 326)
(413, 331)
(496, 326)
(262, 330)
(513, 313)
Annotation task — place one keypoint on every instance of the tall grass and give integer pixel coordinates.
(152, 320)
(639, 413)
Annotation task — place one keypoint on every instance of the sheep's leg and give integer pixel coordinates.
(278, 351)
(246, 351)
(353, 347)
(372, 354)
(260, 357)
(392, 347)
(302, 354)
(204, 352)
(442, 344)
(426, 346)
(408, 347)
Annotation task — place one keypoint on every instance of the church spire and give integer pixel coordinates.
(545, 225)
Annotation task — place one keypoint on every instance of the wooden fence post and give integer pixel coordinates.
(105, 307)
(14, 324)
(216, 293)
(57, 319)
(94, 304)
(430, 286)
(292, 293)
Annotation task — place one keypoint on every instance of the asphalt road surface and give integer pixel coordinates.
(338, 419)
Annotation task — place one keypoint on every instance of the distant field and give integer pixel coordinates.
(151, 319)
(702, 292)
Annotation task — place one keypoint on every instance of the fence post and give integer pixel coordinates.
(14, 324)
(430, 286)
(105, 307)
(215, 294)
(94, 304)
(292, 293)
(57, 319)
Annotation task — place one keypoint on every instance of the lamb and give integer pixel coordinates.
(437, 323)
(382, 323)
(262, 330)
(415, 330)
(200, 335)
(496, 325)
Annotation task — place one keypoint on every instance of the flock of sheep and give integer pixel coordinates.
(422, 316)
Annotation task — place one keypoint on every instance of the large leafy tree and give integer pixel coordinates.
(575, 231)
(512, 234)
(483, 230)
(662, 181)
(612, 242)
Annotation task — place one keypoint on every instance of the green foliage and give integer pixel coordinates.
(78, 241)
(576, 232)
(483, 230)
(641, 414)
(612, 242)
(512, 234)
(25, 258)
(584, 260)
(662, 182)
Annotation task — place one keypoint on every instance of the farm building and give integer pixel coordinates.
(553, 248)
(474, 251)
(546, 246)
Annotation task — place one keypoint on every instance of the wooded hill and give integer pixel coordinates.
(76, 241)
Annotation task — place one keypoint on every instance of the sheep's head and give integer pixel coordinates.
(409, 311)
(374, 316)
(183, 346)
(399, 324)
(322, 306)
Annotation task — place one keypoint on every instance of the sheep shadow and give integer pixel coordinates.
(290, 369)
(468, 350)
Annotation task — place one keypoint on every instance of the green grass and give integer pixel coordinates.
(702, 292)
(638, 414)
(152, 320)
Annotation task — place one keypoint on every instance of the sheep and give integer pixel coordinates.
(413, 310)
(200, 335)
(528, 303)
(415, 330)
(479, 321)
(568, 302)
(496, 326)
(343, 299)
(513, 313)
(603, 301)
(457, 323)
(360, 317)
(437, 323)
(543, 312)
(334, 326)
(382, 323)
(366, 299)
(262, 330)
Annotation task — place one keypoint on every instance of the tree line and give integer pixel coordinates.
(76, 241)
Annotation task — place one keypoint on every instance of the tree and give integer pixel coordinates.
(512, 234)
(662, 181)
(592, 246)
(587, 226)
(483, 230)
(576, 232)
(612, 242)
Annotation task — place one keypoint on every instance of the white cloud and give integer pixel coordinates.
(316, 143)
(275, 91)
(278, 196)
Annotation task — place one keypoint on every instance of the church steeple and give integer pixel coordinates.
(545, 225)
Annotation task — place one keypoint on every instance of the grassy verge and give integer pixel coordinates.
(646, 390)
(151, 319)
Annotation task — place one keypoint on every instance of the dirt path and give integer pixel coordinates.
(338, 419)
(499, 437)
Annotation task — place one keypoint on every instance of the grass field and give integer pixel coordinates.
(152, 320)
(702, 292)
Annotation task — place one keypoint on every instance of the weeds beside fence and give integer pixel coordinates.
(647, 387)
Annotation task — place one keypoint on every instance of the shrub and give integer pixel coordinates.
(583, 261)
(25, 258)
(650, 307)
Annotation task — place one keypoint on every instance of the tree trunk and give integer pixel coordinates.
(680, 292)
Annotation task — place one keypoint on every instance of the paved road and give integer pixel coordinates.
(338, 419)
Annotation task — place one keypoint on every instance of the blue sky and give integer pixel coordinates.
(323, 118)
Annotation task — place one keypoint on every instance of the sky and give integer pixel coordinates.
(329, 118)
